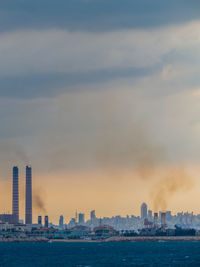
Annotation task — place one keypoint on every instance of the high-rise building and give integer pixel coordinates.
(61, 221)
(163, 220)
(168, 215)
(155, 219)
(28, 209)
(150, 215)
(143, 211)
(46, 221)
(15, 200)
(81, 218)
(40, 220)
(92, 215)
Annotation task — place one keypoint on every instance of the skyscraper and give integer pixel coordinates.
(155, 219)
(150, 216)
(28, 213)
(143, 211)
(81, 218)
(46, 221)
(163, 220)
(15, 200)
(40, 220)
(92, 215)
(61, 221)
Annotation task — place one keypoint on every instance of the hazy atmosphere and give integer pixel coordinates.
(102, 99)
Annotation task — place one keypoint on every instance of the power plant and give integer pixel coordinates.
(14, 217)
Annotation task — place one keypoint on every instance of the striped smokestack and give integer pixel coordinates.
(28, 212)
(15, 199)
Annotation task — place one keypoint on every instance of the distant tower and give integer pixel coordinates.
(40, 220)
(46, 221)
(150, 215)
(155, 219)
(92, 215)
(143, 211)
(81, 218)
(163, 219)
(15, 200)
(61, 220)
(28, 213)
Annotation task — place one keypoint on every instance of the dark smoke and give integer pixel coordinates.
(38, 202)
(176, 181)
(11, 154)
(21, 155)
(129, 147)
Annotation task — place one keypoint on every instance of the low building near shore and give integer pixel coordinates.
(105, 231)
(7, 218)
(79, 232)
(14, 227)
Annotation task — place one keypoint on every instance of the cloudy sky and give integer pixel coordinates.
(102, 98)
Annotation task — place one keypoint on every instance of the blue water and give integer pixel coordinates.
(100, 254)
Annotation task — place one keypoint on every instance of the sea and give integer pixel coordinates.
(88, 254)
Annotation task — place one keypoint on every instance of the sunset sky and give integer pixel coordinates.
(102, 98)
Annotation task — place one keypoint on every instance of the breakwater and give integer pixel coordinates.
(28, 239)
(152, 238)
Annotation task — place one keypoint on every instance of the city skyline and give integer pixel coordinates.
(148, 219)
(69, 211)
(79, 217)
(103, 103)
(100, 132)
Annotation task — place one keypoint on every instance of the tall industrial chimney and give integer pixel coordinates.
(15, 199)
(28, 212)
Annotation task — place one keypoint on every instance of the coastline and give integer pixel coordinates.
(134, 239)
(111, 239)
(152, 238)
(3, 240)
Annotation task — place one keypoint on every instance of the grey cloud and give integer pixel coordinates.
(73, 127)
(95, 15)
(100, 129)
(88, 130)
(47, 63)
(52, 84)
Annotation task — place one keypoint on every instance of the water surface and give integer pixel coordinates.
(81, 254)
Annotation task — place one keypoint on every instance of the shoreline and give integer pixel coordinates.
(135, 239)
(18, 240)
(152, 238)
(111, 239)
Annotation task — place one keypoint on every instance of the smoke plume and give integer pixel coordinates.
(129, 147)
(176, 181)
(38, 202)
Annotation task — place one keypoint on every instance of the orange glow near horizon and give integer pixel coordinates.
(116, 193)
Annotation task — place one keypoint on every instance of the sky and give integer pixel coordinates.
(102, 98)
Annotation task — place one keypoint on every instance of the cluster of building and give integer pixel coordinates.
(146, 220)
(11, 228)
(147, 224)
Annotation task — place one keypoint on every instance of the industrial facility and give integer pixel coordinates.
(14, 217)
